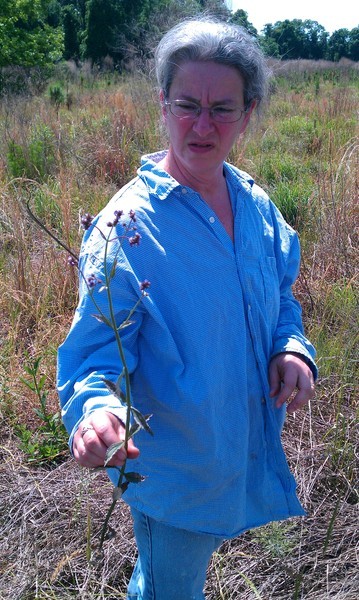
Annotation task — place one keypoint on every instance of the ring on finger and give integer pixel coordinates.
(85, 429)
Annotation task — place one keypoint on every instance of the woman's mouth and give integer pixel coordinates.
(200, 148)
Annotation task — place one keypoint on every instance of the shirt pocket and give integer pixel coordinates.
(263, 286)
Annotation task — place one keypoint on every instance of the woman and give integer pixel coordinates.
(217, 348)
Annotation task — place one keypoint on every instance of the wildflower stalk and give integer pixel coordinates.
(110, 320)
(126, 375)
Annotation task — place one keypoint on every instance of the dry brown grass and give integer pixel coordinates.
(45, 515)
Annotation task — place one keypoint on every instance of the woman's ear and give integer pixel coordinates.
(252, 106)
(247, 116)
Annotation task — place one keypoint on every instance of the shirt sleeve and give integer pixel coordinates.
(90, 352)
(289, 334)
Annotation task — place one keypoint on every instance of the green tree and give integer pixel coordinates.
(71, 22)
(339, 45)
(267, 42)
(240, 17)
(297, 39)
(289, 39)
(27, 39)
(101, 15)
(114, 26)
(130, 30)
(354, 44)
(53, 13)
(315, 40)
(215, 7)
(124, 29)
(79, 6)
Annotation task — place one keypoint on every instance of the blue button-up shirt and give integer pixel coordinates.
(198, 350)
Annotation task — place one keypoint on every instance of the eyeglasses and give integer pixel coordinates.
(184, 109)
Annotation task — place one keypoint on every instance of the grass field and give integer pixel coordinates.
(67, 151)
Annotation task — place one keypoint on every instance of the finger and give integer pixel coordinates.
(111, 431)
(285, 393)
(132, 450)
(304, 394)
(109, 428)
(95, 439)
(274, 380)
(100, 449)
(88, 449)
(288, 385)
(92, 453)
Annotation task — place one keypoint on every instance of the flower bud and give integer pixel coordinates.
(86, 221)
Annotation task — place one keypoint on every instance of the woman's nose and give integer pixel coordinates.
(203, 124)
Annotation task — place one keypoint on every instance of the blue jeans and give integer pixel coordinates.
(172, 562)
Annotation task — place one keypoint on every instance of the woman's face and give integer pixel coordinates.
(201, 145)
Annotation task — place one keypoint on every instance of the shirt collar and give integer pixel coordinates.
(158, 181)
(233, 173)
(161, 184)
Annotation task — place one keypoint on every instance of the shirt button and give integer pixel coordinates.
(212, 219)
(184, 191)
(263, 400)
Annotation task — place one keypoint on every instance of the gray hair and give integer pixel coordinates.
(206, 40)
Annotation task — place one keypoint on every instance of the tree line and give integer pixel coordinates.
(119, 32)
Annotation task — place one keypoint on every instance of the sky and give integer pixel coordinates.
(332, 15)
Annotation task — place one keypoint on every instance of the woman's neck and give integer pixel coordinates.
(206, 183)
(212, 188)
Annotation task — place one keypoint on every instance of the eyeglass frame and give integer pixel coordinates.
(199, 109)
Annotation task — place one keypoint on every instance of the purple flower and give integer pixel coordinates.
(144, 285)
(72, 261)
(92, 280)
(132, 215)
(118, 214)
(135, 239)
(86, 221)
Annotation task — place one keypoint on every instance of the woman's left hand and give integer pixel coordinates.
(289, 372)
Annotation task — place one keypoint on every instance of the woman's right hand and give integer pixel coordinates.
(95, 435)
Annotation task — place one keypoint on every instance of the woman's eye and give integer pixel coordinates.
(186, 106)
(222, 110)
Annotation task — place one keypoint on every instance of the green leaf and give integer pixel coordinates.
(114, 388)
(41, 382)
(111, 451)
(135, 428)
(141, 419)
(118, 491)
(36, 364)
(126, 324)
(133, 477)
(124, 486)
(28, 384)
(101, 319)
(113, 269)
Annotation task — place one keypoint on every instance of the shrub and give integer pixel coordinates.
(34, 159)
